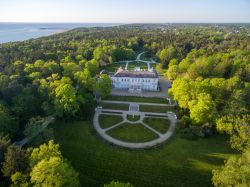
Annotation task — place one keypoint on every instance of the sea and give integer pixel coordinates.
(11, 32)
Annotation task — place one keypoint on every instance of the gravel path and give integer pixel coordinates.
(139, 103)
(138, 58)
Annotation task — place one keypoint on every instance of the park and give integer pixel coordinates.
(140, 105)
(130, 136)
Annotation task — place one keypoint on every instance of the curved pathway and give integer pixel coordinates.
(162, 137)
(138, 58)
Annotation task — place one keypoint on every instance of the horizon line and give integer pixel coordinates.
(128, 22)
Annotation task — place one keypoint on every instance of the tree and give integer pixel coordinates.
(103, 55)
(26, 104)
(37, 131)
(21, 180)
(236, 172)
(85, 80)
(47, 162)
(203, 109)
(54, 172)
(118, 184)
(181, 92)
(172, 72)
(105, 85)
(4, 144)
(15, 161)
(69, 68)
(86, 110)
(238, 127)
(167, 54)
(44, 151)
(8, 125)
(93, 67)
(122, 53)
(66, 100)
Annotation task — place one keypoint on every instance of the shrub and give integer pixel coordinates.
(192, 133)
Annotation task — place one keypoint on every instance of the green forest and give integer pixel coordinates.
(58, 77)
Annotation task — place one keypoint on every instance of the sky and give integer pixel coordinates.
(125, 11)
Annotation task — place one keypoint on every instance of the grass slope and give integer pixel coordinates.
(180, 162)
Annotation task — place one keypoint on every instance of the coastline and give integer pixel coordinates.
(18, 32)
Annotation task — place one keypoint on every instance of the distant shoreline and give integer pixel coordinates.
(15, 32)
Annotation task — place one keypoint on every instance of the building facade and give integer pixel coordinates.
(135, 80)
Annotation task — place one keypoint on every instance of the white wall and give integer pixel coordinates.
(126, 82)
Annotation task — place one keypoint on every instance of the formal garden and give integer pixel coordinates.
(142, 62)
(53, 124)
(173, 164)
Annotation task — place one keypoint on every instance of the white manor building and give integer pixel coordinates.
(136, 80)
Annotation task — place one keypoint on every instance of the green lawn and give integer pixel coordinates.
(179, 162)
(159, 124)
(106, 121)
(137, 99)
(132, 133)
(134, 64)
(152, 65)
(145, 57)
(160, 109)
(133, 118)
(114, 106)
(114, 66)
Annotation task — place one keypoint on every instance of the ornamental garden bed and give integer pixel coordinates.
(133, 117)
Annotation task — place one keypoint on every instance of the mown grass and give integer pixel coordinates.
(160, 109)
(114, 66)
(159, 124)
(152, 65)
(179, 162)
(106, 121)
(145, 57)
(142, 65)
(114, 106)
(137, 99)
(132, 133)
